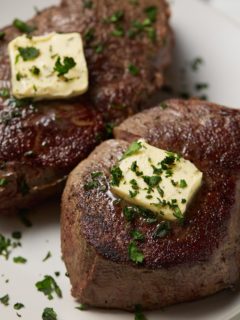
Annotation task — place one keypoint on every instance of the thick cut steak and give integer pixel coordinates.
(40, 144)
(193, 260)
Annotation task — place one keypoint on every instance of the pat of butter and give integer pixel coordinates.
(48, 67)
(155, 179)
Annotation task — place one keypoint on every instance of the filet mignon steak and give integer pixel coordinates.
(40, 144)
(192, 260)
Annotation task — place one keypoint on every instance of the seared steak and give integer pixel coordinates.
(60, 134)
(192, 260)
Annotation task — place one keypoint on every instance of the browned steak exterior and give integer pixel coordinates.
(62, 133)
(194, 260)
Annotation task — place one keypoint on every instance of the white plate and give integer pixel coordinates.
(200, 32)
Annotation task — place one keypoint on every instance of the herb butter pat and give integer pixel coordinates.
(155, 179)
(48, 67)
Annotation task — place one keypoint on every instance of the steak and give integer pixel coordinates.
(192, 260)
(41, 142)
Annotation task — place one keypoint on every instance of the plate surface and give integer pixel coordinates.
(199, 32)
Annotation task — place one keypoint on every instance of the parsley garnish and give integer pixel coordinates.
(201, 86)
(99, 48)
(19, 260)
(35, 71)
(89, 35)
(48, 286)
(5, 300)
(152, 181)
(162, 230)
(4, 93)
(196, 63)
(163, 105)
(28, 53)
(133, 70)
(116, 17)
(48, 255)
(117, 176)
(88, 4)
(138, 313)
(177, 213)
(118, 32)
(5, 245)
(133, 148)
(81, 307)
(94, 183)
(135, 168)
(18, 306)
(135, 254)
(129, 213)
(68, 64)
(2, 35)
(17, 235)
(3, 182)
(182, 183)
(22, 26)
(49, 314)
(137, 235)
(19, 76)
(151, 13)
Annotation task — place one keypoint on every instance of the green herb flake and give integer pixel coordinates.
(5, 245)
(2, 35)
(151, 33)
(81, 307)
(138, 313)
(19, 260)
(18, 306)
(151, 13)
(17, 235)
(201, 86)
(49, 314)
(196, 63)
(162, 230)
(48, 286)
(137, 235)
(4, 93)
(117, 176)
(133, 70)
(89, 35)
(63, 68)
(182, 184)
(135, 168)
(5, 300)
(133, 149)
(48, 255)
(35, 71)
(96, 174)
(91, 185)
(129, 213)
(152, 181)
(19, 76)
(116, 17)
(163, 105)
(57, 273)
(3, 182)
(118, 32)
(88, 4)
(135, 254)
(183, 200)
(28, 53)
(178, 214)
(22, 26)
(99, 48)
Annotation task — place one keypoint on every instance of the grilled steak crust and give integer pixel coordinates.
(72, 128)
(192, 261)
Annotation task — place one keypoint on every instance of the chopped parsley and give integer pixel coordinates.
(35, 71)
(48, 286)
(28, 53)
(162, 230)
(163, 105)
(2, 35)
(182, 184)
(196, 63)
(177, 213)
(137, 235)
(49, 314)
(19, 76)
(81, 307)
(48, 255)
(151, 13)
(133, 70)
(63, 68)
(118, 31)
(129, 213)
(201, 86)
(135, 169)
(116, 17)
(88, 4)
(17, 235)
(4, 93)
(133, 148)
(18, 306)
(5, 300)
(95, 183)
(22, 26)
(99, 48)
(135, 254)
(3, 182)
(117, 176)
(135, 187)
(89, 35)
(19, 260)
(5, 245)
(139, 314)
(152, 181)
